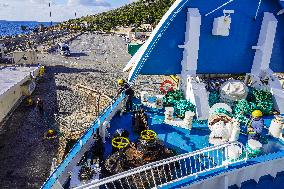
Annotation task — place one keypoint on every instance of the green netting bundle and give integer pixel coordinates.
(250, 97)
(182, 106)
(242, 109)
(172, 96)
(214, 97)
(265, 107)
(176, 99)
(222, 111)
(263, 100)
(242, 119)
(256, 100)
(261, 95)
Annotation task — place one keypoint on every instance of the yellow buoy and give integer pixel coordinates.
(120, 82)
(29, 101)
(50, 132)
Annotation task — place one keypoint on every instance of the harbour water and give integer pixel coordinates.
(12, 28)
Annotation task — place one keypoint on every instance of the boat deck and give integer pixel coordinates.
(179, 139)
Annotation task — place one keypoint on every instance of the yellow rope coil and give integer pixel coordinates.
(148, 135)
(120, 142)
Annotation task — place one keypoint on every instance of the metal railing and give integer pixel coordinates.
(174, 168)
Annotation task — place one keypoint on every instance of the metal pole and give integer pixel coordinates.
(257, 9)
(50, 16)
(49, 5)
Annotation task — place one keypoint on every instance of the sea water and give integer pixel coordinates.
(12, 28)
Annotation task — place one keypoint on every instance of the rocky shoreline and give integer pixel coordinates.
(43, 40)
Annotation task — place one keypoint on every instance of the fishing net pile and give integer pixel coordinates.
(256, 100)
(86, 173)
(214, 97)
(135, 155)
(243, 100)
(124, 160)
(177, 100)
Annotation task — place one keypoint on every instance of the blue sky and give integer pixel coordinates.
(38, 10)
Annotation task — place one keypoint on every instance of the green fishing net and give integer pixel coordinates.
(214, 97)
(172, 96)
(256, 100)
(181, 106)
(222, 111)
(263, 100)
(176, 99)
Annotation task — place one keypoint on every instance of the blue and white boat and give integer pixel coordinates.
(197, 39)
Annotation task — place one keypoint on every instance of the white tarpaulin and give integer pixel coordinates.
(233, 90)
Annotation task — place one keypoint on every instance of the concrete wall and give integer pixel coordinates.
(25, 57)
(8, 100)
(12, 97)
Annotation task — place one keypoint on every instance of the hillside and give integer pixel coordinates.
(134, 14)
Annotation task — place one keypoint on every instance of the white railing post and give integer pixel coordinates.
(226, 157)
(153, 178)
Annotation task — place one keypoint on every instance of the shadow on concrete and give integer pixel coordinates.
(63, 69)
(77, 54)
(25, 153)
(63, 88)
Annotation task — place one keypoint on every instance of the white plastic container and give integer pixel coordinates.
(188, 116)
(234, 152)
(169, 113)
(276, 127)
(144, 96)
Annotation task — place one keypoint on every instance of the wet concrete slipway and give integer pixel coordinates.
(96, 63)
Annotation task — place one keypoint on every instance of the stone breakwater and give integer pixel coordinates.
(44, 40)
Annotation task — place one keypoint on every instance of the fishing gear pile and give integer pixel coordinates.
(214, 97)
(256, 100)
(172, 97)
(176, 99)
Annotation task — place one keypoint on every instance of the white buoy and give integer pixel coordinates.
(236, 130)
(276, 127)
(188, 117)
(254, 145)
(103, 130)
(169, 113)
(234, 152)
